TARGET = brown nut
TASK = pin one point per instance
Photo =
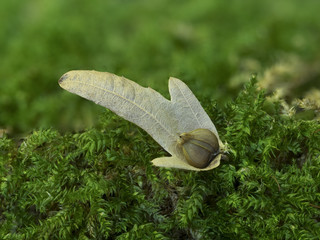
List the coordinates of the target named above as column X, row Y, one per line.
column 199, row 147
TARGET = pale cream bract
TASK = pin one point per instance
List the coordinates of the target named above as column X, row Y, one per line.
column 164, row 120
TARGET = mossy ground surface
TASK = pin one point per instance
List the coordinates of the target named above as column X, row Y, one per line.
column 70, row 169
column 100, row 184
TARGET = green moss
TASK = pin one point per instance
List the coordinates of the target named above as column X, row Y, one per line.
column 100, row 184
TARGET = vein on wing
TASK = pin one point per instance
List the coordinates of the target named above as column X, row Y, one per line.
column 132, row 102
column 189, row 105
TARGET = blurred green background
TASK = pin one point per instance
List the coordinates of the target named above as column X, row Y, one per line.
column 213, row 46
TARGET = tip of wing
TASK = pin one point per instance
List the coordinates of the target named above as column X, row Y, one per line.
column 64, row 77
column 174, row 80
